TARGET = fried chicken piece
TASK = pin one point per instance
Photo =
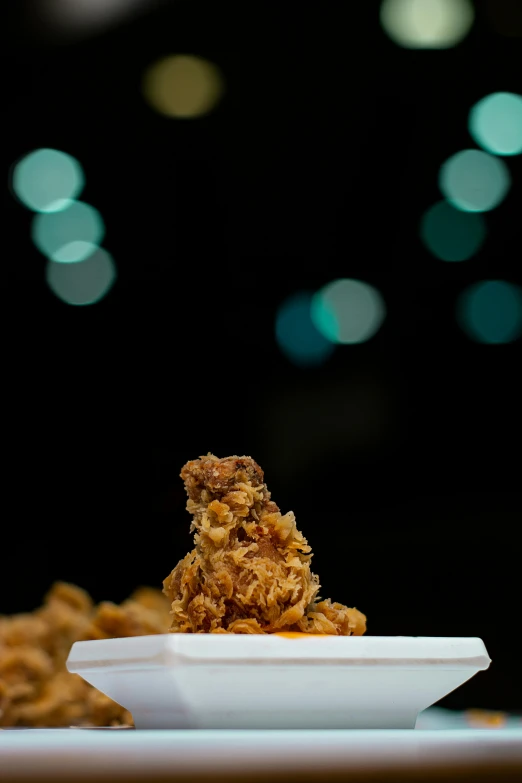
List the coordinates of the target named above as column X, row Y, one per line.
column 132, row 618
column 153, row 599
column 22, row 629
column 67, row 612
column 59, row 702
column 4, row 697
column 250, row 569
column 36, row 689
column 23, row 670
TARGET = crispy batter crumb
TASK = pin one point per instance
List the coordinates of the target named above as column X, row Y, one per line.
column 250, row 569
column 36, row 690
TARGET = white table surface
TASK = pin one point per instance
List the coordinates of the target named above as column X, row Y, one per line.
column 123, row 754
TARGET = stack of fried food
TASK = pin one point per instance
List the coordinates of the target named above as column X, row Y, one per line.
column 36, row 689
column 250, row 569
column 249, row 572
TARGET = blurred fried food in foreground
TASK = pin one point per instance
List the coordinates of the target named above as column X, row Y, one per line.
column 36, row 690
column 250, row 569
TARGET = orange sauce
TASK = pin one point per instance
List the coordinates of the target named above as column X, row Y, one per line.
column 485, row 719
column 298, row 635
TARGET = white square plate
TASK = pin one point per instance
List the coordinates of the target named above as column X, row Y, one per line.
column 222, row 681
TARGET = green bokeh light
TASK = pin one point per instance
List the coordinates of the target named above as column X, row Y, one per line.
column 450, row 234
column 296, row 334
column 495, row 123
column 474, row 181
column 348, row 311
column 426, row 24
column 68, row 236
column 84, row 283
column 46, row 180
column 491, row 311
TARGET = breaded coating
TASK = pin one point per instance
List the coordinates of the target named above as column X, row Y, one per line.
column 131, row 618
column 250, row 569
column 36, row 690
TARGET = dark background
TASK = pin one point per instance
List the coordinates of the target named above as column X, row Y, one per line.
column 400, row 456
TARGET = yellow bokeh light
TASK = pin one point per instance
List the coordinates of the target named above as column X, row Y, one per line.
column 183, row 86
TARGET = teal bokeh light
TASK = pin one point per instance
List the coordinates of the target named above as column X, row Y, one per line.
column 84, row 283
column 348, row 311
column 495, row 123
column 474, row 181
column 46, row 180
column 450, row 234
column 68, row 236
column 491, row 311
column 296, row 334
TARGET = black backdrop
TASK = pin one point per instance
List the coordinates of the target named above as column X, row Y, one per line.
column 400, row 457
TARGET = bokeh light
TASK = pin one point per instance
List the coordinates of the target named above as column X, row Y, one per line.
column 495, row 123
column 427, row 24
column 296, row 334
column 183, row 86
column 87, row 16
column 84, row 283
column 348, row 311
column 491, row 311
column 46, row 180
column 68, row 236
column 474, row 181
column 450, row 234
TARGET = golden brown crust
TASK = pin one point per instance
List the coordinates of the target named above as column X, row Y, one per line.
column 36, row 690
column 250, row 569
column 218, row 476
